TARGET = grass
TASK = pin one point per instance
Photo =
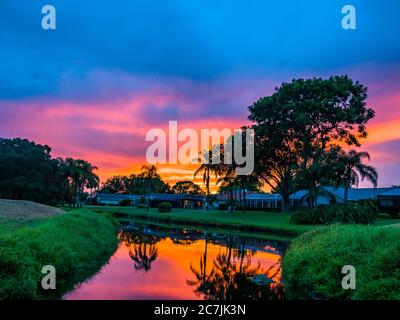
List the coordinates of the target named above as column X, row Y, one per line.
column 77, row 244
column 251, row 221
column 312, row 266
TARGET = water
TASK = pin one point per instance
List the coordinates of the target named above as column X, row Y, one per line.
column 154, row 262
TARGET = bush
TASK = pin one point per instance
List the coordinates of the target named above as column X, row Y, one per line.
column 352, row 212
column 222, row 206
column 125, row 203
column 164, row 207
column 306, row 216
column 312, row 266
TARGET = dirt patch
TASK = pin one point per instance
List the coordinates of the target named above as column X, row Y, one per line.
column 26, row 210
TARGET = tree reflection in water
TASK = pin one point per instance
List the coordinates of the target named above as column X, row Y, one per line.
column 142, row 248
column 230, row 276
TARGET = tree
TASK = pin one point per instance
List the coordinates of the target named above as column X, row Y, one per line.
column 149, row 173
column 186, row 187
column 351, row 168
column 210, row 166
column 82, row 176
column 301, row 117
column 27, row 172
column 319, row 169
column 115, row 185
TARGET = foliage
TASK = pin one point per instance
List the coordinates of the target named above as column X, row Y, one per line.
column 350, row 168
column 210, row 165
column 77, row 244
column 312, row 265
column 352, row 212
column 27, row 172
column 301, row 117
column 306, row 216
column 186, row 187
column 165, row 207
column 133, row 184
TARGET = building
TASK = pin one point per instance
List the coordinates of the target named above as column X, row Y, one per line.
column 328, row 195
column 389, row 201
column 254, row 200
column 177, row 200
column 181, row 200
column 115, row 199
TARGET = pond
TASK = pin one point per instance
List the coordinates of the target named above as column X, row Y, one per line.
column 154, row 262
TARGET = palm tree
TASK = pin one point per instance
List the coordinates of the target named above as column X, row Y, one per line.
column 149, row 173
column 351, row 168
column 63, row 175
column 142, row 257
column 207, row 168
column 81, row 174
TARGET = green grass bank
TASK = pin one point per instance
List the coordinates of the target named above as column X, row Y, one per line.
column 276, row 223
column 77, row 244
column 312, row 266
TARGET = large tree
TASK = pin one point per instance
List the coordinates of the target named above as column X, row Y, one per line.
column 186, row 187
column 300, row 117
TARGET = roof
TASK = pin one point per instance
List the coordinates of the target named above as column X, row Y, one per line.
column 251, row 195
column 115, row 197
column 175, row 197
column 263, row 196
column 392, row 192
column 153, row 196
column 354, row 194
column 298, row 195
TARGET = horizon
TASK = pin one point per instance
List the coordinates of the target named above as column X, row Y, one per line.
column 93, row 94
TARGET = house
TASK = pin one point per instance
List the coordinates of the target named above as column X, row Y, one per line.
column 254, row 200
column 328, row 195
column 181, row 200
column 115, row 199
column 389, row 201
column 177, row 200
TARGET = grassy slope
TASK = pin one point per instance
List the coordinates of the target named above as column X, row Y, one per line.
column 273, row 222
column 312, row 265
column 77, row 244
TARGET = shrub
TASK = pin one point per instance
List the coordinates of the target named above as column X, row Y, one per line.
column 312, row 266
column 351, row 212
column 222, row 206
column 306, row 216
column 125, row 203
column 164, row 207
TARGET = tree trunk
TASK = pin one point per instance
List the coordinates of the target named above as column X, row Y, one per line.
column 244, row 198
column 148, row 195
column 346, row 193
column 285, row 203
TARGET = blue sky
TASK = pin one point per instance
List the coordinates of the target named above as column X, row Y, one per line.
column 193, row 61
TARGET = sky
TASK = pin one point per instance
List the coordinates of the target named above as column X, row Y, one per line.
column 112, row 70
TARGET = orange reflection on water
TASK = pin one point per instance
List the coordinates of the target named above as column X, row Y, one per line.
column 165, row 268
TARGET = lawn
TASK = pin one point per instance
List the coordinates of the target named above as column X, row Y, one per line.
column 255, row 221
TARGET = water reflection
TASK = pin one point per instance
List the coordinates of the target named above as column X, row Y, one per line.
column 155, row 262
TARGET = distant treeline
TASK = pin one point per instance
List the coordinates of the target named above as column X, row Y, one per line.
column 28, row 172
